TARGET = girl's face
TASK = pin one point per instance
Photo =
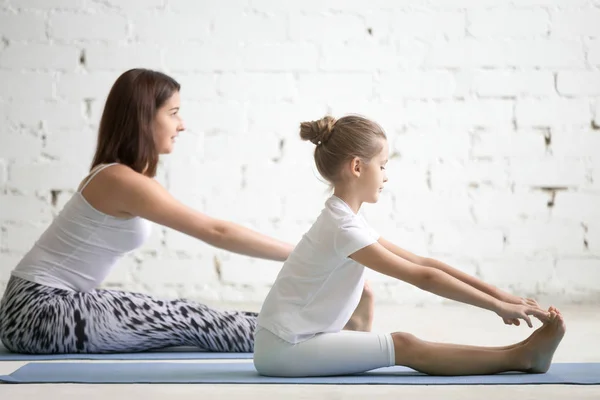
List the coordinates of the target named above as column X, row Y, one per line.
column 373, row 176
column 167, row 124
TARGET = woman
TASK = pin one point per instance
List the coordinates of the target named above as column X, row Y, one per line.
column 52, row 304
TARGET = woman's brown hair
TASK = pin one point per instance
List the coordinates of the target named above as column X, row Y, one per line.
column 126, row 132
column 341, row 140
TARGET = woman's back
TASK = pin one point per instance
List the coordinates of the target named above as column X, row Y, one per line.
column 81, row 245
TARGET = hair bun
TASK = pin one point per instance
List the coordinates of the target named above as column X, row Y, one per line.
column 317, row 131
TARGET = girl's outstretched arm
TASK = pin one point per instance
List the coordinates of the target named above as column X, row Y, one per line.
column 378, row 258
column 460, row 275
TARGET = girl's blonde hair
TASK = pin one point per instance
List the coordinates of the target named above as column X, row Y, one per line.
column 341, row 140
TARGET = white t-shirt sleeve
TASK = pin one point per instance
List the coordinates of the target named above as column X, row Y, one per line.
column 353, row 236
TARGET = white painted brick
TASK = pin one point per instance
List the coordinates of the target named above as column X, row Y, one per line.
column 547, row 172
column 122, row 58
column 206, row 7
column 428, row 24
column 280, row 57
column 578, row 83
column 481, row 113
column 359, row 57
column 165, row 271
column 241, row 270
column 471, row 241
column 508, row 22
column 430, row 144
column 237, row 27
column 497, row 53
column 597, row 114
column 533, row 238
column 8, row 262
column 76, row 87
column 593, row 237
column 420, row 85
column 71, row 26
column 505, row 143
column 24, row 26
column 3, row 175
column 209, row 57
column 40, row 56
column 431, row 208
column 215, row 117
column 593, row 55
column 237, row 147
column 280, row 178
column 516, row 273
column 25, row 85
column 288, row 118
column 20, row 239
column 246, row 206
column 561, row 3
column 412, row 175
column 330, row 28
column 190, row 182
column 131, row 5
column 54, row 115
column 23, row 208
column 578, row 274
column 503, row 208
column 266, row 87
column 513, row 83
column 412, row 53
column 449, row 174
column 552, row 112
column 582, row 22
column 388, row 114
column 575, row 143
column 173, row 27
column 577, row 207
column 326, row 86
column 305, row 203
column 71, row 146
column 196, row 87
column 46, row 176
column 48, row 4
column 20, row 146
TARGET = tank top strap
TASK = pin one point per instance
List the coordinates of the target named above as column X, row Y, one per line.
column 93, row 173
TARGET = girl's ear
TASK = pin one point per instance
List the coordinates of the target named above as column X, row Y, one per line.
column 356, row 166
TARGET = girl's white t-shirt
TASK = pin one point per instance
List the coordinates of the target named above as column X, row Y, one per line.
column 319, row 286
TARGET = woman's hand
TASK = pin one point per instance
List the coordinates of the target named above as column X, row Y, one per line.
column 512, row 313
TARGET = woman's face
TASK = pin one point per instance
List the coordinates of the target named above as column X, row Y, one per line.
column 167, row 124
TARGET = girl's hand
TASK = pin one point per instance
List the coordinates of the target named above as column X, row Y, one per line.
column 512, row 313
column 509, row 298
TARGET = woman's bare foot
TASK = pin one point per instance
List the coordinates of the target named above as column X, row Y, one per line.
column 538, row 352
column 362, row 318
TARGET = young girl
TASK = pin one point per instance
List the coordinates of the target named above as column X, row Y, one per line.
column 299, row 329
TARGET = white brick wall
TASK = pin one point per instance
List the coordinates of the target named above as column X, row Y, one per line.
column 492, row 109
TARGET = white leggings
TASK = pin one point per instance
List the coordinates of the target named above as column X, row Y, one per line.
column 340, row 353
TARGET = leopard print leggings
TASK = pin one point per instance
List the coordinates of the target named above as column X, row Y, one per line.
column 38, row 319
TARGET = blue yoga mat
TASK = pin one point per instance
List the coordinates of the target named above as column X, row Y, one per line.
column 244, row 372
column 173, row 353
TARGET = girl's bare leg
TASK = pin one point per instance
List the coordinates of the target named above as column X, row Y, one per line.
column 447, row 359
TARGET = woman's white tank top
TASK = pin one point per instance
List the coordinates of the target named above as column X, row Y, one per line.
column 81, row 245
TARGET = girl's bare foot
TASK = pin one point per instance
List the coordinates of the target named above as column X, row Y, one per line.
column 538, row 352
